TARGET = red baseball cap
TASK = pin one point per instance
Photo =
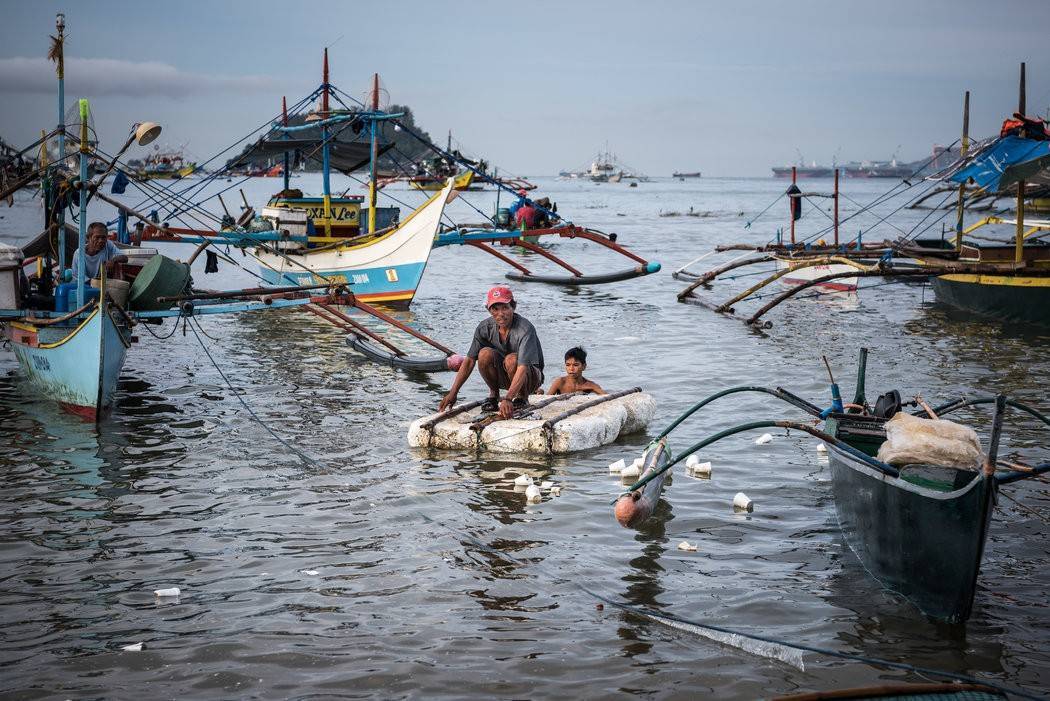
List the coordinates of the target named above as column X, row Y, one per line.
column 497, row 295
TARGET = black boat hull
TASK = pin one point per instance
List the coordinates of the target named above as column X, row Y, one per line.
column 997, row 297
column 924, row 543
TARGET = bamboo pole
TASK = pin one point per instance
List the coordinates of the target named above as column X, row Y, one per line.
column 1019, row 230
column 965, row 148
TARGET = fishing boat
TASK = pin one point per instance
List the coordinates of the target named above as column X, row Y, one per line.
column 460, row 181
column 683, row 176
column 167, row 164
column 71, row 339
column 918, row 527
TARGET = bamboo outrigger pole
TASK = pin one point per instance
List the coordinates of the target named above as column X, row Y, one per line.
column 1019, row 230
column 284, row 121
column 964, row 149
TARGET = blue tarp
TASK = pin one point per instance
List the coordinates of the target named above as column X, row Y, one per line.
column 1006, row 161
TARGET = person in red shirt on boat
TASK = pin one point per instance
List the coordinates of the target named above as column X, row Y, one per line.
column 507, row 351
column 527, row 215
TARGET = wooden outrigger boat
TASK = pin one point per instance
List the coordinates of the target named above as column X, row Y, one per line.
column 1009, row 282
column 919, row 529
column 75, row 357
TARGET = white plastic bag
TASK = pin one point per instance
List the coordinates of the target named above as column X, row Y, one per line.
column 911, row 440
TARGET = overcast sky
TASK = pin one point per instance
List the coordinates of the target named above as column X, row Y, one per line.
column 729, row 88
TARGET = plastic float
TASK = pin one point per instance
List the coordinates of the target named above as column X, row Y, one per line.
column 562, row 423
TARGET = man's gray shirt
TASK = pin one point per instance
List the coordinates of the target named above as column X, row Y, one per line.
column 521, row 339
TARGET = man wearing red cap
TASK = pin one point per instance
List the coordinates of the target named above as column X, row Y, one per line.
column 507, row 352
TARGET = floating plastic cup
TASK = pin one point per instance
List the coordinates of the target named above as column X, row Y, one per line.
column 741, row 502
column 617, row 466
column 166, row 593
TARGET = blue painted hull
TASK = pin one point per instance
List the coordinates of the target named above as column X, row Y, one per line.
column 78, row 366
column 377, row 284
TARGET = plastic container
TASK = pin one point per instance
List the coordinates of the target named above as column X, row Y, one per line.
column 10, row 267
column 116, row 290
column 160, row 277
column 66, row 296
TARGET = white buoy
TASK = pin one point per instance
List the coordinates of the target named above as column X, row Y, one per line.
column 701, row 469
column 687, row 546
column 821, row 448
column 522, row 481
column 617, row 466
column 763, row 439
column 630, row 471
column 165, row 593
column 546, row 484
column 741, row 502
column 532, row 494
column 134, row 647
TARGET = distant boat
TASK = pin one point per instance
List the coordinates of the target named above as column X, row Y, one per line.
column 686, row 175
column 169, row 164
column 803, row 171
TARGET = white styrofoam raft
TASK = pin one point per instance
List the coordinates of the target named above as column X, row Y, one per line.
column 598, row 425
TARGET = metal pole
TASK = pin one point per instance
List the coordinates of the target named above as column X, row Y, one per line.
column 60, row 24
column 81, row 245
column 1019, row 230
column 324, row 152
column 372, row 158
column 284, row 121
column 792, row 205
column 965, row 148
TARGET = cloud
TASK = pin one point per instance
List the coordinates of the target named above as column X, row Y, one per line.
column 99, row 77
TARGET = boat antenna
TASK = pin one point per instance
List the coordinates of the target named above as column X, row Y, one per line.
column 828, row 366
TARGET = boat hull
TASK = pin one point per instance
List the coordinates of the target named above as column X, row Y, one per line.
column 387, row 269
column 803, row 275
column 77, row 367
column 922, row 542
column 1006, row 298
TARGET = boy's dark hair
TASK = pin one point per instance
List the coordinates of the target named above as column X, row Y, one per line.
column 578, row 353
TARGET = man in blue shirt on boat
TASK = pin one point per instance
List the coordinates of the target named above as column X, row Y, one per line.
column 99, row 250
column 508, row 354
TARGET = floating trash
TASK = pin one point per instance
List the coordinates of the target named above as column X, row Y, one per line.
column 522, row 481
column 701, row 469
column 617, row 466
column 546, row 484
column 763, row 439
column 631, row 471
column 134, row 647
column 532, row 494
column 821, row 448
column 310, row 573
column 555, row 491
column 741, row 502
column 687, row 546
column 166, row 593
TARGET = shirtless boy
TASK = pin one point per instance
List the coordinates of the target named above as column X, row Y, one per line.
column 573, row 380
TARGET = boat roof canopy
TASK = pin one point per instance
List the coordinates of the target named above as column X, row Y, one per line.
column 1004, row 162
column 346, row 156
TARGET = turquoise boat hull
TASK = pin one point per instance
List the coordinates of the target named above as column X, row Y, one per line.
column 76, row 365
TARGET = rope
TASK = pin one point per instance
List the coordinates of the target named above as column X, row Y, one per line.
column 874, row 661
column 194, row 325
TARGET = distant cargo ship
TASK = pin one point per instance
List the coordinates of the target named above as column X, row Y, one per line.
column 686, row 175
column 803, row 171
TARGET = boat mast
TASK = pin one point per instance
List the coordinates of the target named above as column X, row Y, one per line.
column 58, row 47
column 284, row 121
column 81, row 245
column 963, row 150
column 792, row 209
column 836, row 206
column 372, row 157
column 1019, row 231
column 324, row 150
